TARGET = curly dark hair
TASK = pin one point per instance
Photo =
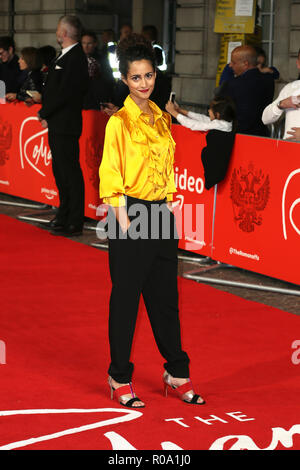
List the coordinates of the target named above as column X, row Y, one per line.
column 132, row 48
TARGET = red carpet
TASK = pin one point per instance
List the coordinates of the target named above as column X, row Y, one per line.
column 54, row 395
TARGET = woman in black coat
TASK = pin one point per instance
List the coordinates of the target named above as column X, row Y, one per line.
column 33, row 81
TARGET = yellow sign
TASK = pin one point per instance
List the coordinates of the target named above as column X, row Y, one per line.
column 235, row 16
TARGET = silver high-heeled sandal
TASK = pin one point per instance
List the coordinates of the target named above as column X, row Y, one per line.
column 184, row 391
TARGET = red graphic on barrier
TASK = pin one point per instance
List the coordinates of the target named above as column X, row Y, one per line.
column 5, row 140
column 250, row 192
column 34, row 148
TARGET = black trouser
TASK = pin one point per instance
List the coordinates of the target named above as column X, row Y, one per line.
column 148, row 267
column 68, row 178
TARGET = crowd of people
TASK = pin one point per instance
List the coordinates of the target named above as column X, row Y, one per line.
column 247, row 80
column 25, row 75
column 246, row 87
column 243, row 102
column 250, row 84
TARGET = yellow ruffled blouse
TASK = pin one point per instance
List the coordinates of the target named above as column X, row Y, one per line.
column 137, row 157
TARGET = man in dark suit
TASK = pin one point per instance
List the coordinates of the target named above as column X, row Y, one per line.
column 250, row 89
column 61, row 111
column 10, row 71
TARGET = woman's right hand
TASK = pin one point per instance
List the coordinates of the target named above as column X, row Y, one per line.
column 122, row 217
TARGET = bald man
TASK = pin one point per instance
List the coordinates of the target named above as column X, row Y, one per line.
column 250, row 89
column 61, row 111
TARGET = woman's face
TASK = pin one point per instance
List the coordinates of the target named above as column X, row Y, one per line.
column 22, row 63
column 140, row 80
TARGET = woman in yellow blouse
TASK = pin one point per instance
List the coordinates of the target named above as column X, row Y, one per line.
column 137, row 179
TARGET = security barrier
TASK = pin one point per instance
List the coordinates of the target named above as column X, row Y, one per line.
column 25, row 157
column 251, row 220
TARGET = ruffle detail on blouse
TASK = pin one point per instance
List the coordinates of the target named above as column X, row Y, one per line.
column 161, row 166
column 159, row 172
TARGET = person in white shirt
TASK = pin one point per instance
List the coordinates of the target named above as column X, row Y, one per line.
column 288, row 102
column 199, row 122
column 220, row 126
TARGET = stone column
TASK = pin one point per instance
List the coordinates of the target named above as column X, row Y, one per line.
column 137, row 15
column 197, row 49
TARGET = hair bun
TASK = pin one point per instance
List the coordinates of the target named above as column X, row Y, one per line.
column 134, row 47
column 132, row 41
